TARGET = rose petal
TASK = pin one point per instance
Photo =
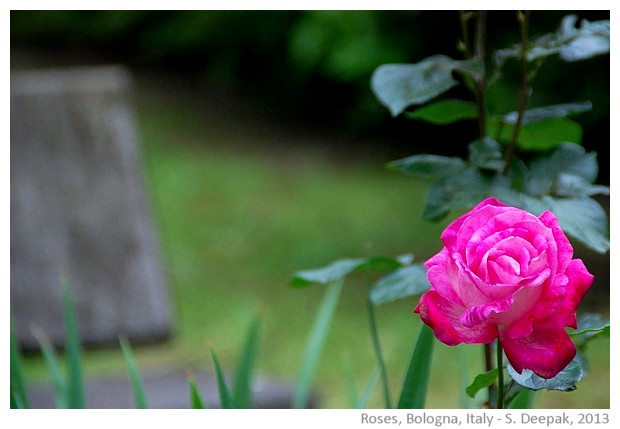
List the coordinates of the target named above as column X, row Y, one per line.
column 517, row 321
column 472, row 289
column 536, row 264
column 453, row 231
column 562, row 297
column 518, row 328
column 579, row 281
column 474, row 316
column 477, row 252
column 443, row 317
column 544, row 351
column 483, row 291
column 480, row 225
column 564, row 248
column 442, row 276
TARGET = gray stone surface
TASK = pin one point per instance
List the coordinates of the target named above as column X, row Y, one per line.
column 79, row 210
column 167, row 391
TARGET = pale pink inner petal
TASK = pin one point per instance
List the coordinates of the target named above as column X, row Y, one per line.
column 537, row 264
column 476, row 250
column 525, row 299
column 502, row 274
column 470, row 287
column 474, row 316
column 509, row 264
column 479, row 224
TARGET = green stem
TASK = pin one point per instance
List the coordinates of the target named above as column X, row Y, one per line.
column 377, row 346
column 500, row 376
column 488, row 364
column 479, row 54
column 522, row 19
column 465, row 34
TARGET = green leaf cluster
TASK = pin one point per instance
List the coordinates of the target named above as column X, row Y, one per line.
column 570, row 42
column 560, row 180
column 530, row 159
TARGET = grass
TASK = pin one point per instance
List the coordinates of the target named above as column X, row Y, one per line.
column 239, row 208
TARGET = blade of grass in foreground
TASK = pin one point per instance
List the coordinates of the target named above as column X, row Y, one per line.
column 370, row 387
column 136, row 382
column 464, row 399
column 19, row 396
column 226, row 401
column 196, row 401
column 75, row 381
column 378, row 353
column 53, row 366
column 349, row 381
column 413, row 394
column 16, row 402
column 360, row 401
column 242, row 387
column 314, row 346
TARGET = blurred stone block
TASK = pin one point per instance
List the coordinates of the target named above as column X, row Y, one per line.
column 79, row 210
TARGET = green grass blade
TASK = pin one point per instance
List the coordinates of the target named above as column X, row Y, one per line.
column 195, row 398
column 242, row 387
column 226, row 401
column 316, row 341
column 349, row 382
column 75, row 380
column 370, row 387
column 413, row 393
column 16, row 402
column 464, row 399
column 136, row 381
column 59, row 384
column 379, row 354
column 19, row 395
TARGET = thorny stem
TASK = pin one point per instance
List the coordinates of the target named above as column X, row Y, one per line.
column 522, row 19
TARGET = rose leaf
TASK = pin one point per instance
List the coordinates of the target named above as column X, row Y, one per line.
column 482, row 381
column 565, row 381
column 402, row 283
column 399, row 86
column 337, row 270
column 429, row 167
column 445, row 112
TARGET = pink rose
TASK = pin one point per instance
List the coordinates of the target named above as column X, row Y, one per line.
column 505, row 273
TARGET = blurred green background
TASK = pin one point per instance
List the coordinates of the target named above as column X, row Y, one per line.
column 264, row 153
